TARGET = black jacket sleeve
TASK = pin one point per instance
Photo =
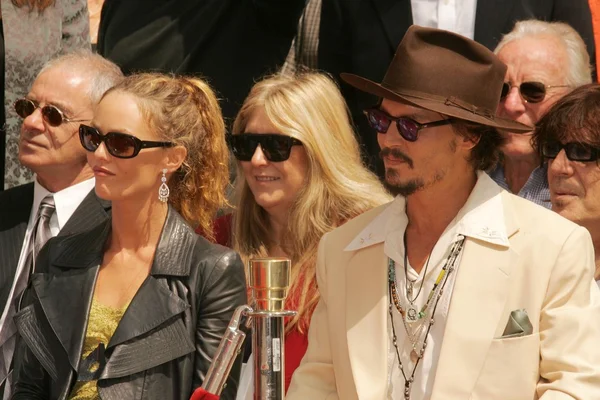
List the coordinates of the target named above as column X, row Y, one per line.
column 224, row 290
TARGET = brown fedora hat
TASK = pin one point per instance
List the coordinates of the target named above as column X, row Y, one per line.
column 444, row 72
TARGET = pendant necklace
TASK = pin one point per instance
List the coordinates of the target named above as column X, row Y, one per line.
column 424, row 321
column 412, row 312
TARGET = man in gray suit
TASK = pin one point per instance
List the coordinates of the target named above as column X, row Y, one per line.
column 61, row 200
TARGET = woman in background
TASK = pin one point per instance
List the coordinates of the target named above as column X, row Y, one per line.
column 136, row 307
column 300, row 175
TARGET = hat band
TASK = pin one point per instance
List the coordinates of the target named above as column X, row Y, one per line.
column 452, row 101
column 456, row 102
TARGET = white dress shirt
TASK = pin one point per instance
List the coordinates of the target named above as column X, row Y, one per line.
column 66, row 202
column 451, row 15
column 481, row 220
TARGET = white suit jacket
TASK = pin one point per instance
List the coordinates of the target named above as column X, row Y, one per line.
column 547, row 269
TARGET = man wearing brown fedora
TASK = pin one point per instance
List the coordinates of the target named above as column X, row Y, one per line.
column 455, row 290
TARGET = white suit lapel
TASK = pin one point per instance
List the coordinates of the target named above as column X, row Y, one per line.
column 366, row 322
column 478, row 300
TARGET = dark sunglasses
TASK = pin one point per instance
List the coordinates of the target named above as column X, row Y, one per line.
column 51, row 114
column 274, row 146
column 531, row 92
column 120, row 145
column 408, row 128
column 574, row 151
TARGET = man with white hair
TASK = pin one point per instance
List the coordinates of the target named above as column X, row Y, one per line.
column 62, row 197
column 545, row 60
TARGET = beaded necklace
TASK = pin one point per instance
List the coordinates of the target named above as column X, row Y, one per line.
column 419, row 332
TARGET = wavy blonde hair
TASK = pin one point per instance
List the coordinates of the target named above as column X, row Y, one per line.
column 185, row 111
column 309, row 107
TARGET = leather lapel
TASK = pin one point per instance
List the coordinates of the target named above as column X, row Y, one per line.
column 65, row 300
column 152, row 315
column 154, row 320
column 176, row 244
column 153, row 305
column 91, row 212
column 79, row 250
column 66, row 295
column 34, row 331
column 396, row 17
column 478, row 300
column 366, row 291
column 37, row 334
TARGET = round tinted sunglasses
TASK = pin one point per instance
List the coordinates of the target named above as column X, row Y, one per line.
column 574, row 151
column 120, row 145
column 51, row 114
column 274, row 146
column 408, row 128
column 531, row 92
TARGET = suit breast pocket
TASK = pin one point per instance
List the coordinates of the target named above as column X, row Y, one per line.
column 510, row 370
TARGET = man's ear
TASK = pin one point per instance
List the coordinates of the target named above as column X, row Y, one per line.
column 175, row 157
column 470, row 140
column 466, row 139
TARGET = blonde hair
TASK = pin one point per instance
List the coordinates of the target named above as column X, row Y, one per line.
column 578, row 59
column 185, row 111
column 310, row 108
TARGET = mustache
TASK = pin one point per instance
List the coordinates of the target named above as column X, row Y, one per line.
column 396, row 153
column 27, row 133
column 564, row 189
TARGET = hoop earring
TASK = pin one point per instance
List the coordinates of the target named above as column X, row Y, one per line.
column 163, row 191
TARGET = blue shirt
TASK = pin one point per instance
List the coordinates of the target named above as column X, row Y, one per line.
column 535, row 189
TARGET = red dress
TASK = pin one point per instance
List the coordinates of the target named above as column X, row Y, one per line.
column 222, row 230
column 295, row 342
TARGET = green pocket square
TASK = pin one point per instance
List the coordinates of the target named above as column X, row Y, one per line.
column 518, row 324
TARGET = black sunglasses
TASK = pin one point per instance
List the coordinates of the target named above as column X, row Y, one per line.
column 574, row 151
column 408, row 128
column 274, row 146
column 51, row 114
column 531, row 92
column 120, row 145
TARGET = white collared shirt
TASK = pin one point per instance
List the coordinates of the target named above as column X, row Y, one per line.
column 452, row 15
column 66, row 202
column 480, row 218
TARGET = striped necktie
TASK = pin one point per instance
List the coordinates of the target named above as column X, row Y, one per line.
column 40, row 235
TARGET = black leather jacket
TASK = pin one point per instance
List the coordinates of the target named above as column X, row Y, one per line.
column 164, row 343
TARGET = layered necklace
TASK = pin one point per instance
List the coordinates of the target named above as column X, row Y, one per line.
column 417, row 323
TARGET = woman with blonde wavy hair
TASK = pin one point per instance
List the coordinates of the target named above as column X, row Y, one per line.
column 300, row 175
column 136, row 307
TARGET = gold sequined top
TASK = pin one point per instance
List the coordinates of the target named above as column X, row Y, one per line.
column 102, row 324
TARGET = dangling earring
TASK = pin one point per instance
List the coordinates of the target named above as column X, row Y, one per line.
column 163, row 191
